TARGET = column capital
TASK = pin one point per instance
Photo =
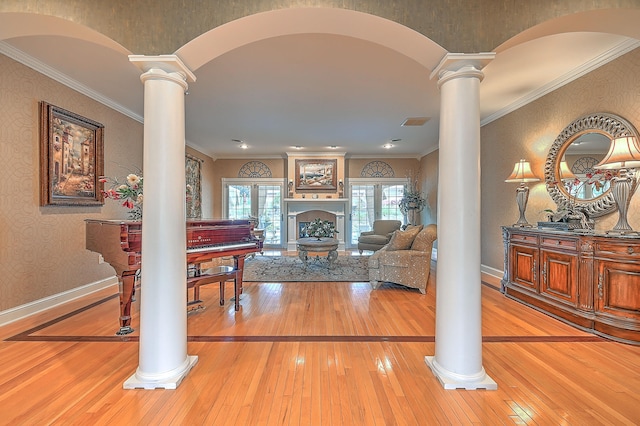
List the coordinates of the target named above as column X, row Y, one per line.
column 171, row 67
column 462, row 64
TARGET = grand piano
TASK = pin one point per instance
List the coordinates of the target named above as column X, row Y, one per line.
column 120, row 244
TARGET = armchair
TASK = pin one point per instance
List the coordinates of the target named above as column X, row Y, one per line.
column 379, row 236
column 405, row 260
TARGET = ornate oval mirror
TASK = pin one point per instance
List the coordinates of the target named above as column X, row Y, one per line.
column 581, row 145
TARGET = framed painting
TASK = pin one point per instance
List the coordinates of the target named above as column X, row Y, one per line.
column 316, row 175
column 71, row 158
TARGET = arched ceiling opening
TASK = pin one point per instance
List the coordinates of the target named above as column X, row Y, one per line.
column 317, row 77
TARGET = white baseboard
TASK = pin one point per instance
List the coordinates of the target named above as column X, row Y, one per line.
column 23, row 311
column 494, row 275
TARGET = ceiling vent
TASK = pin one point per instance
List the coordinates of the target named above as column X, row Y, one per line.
column 415, row 121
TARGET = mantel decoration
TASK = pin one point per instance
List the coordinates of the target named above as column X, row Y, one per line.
column 316, row 175
column 129, row 192
column 412, row 201
column 320, row 228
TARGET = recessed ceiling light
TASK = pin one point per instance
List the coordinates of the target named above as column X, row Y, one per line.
column 333, row 147
column 244, row 145
column 297, row 147
column 387, row 145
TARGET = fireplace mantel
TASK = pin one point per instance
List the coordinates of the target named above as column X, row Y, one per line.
column 295, row 206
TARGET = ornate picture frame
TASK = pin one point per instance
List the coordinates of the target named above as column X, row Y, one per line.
column 316, row 175
column 71, row 158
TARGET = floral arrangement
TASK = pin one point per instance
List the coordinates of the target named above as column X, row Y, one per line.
column 572, row 210
column 129, row 192
column 412, row 200
column 319, row 228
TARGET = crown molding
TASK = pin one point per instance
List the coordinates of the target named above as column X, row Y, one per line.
column 606, row 57
column 42, row 68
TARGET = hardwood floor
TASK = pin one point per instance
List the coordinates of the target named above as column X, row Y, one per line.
column 314, row 353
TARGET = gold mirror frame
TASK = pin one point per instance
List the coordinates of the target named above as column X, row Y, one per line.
column 609, row 125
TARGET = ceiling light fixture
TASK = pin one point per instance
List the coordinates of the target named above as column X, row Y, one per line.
column 333, row 147
column 297, row 147
column 244, row 145
column 387, row 145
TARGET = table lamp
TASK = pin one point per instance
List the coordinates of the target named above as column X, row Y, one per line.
column 624, row 156
column 522, row 173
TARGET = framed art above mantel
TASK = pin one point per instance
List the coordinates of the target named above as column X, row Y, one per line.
column 316, row 175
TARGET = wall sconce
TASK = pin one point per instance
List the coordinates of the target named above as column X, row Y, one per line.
column 624, row 156
column 522, row 173
column 340, row 189
column 290, row 188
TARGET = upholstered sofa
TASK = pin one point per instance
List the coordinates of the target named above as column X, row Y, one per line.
column 406, row 259
column 379, row 236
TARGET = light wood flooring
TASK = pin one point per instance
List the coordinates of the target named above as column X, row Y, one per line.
column 314, row 354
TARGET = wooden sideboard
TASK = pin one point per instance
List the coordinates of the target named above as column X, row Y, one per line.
column 591, row 281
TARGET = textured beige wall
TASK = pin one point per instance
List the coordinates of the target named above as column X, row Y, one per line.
column 456, row 25
column 42, row 249
column 529, row 132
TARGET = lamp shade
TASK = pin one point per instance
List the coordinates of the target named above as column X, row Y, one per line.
column 623, row 153
column 522, row 173
column 565, row 172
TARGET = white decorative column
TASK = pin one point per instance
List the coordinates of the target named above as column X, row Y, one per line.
column 458, row 342
column 163, row 359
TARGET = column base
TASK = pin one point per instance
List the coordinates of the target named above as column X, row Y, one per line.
column 171, row 382
column 451, row 382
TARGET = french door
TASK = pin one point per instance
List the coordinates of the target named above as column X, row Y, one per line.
column 259, row 198
column 373, row 199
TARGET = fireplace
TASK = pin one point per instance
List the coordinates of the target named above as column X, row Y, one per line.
column 306, row 209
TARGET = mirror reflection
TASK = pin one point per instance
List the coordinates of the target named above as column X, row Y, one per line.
column 578, row 173
column 581, row 145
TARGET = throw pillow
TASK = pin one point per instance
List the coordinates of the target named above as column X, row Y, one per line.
column 424, row 240
column 402, row 240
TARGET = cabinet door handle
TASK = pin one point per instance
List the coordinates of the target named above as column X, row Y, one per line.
column 600, row 285
column 544, row 273
column 534, row 270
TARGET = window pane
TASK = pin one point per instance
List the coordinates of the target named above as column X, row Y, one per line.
column 391, row 196
column 269, row 214
column 362, row 210
column 239, row 200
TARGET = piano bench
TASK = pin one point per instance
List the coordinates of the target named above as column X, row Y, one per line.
column 220, row 274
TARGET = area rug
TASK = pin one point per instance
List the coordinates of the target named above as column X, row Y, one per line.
column 291, row 268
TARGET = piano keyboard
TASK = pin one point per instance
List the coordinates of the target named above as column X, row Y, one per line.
column 221, row 247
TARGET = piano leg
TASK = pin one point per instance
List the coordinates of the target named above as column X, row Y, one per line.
column 238, row 262
column 127, row 290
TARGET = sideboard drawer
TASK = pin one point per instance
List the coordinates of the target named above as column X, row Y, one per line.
column 629, row 251
column 558, row 243
column 524, row 238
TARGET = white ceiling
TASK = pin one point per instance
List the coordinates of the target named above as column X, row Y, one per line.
column 317, row 90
